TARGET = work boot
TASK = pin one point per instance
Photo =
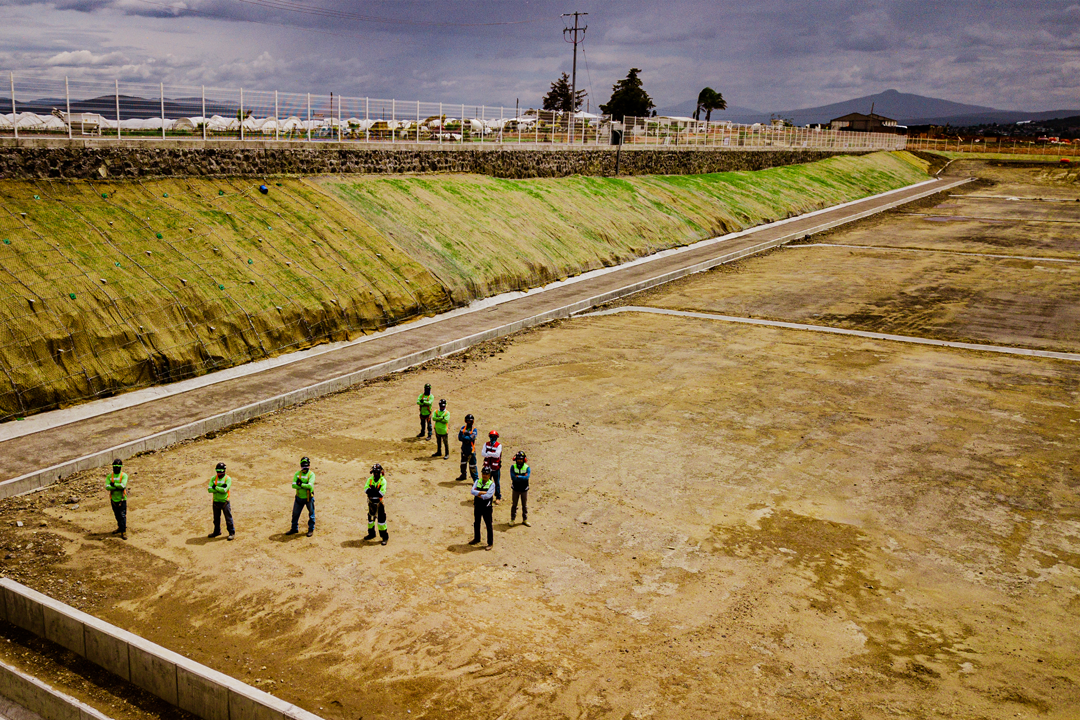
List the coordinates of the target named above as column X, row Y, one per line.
column 116, row 531
column 123, row 536
column 475, row 542
column 525, row 522
column 370, row 535
column 511, row 522
column 436, row 453
column 488, row 547
column 232, row 536
column 292, row 532
column 421, row 434
column 445, row 457
column 216, row 533
column 386, row 538
column 459, row 478
column 310, row 533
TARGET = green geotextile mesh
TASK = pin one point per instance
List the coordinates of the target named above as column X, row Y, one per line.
column 482, row 235
column 106, row 287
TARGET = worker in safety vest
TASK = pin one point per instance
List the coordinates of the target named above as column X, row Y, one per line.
column 375, row 489
column 117, row 487
column 425, row 401
column 304, row 484
column 483, row 492
column 441, row 419
column 467, row 437
column 492, row 453
column 519, row 484
column 219, row 486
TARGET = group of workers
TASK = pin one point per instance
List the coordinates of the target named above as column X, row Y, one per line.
column 486, row 489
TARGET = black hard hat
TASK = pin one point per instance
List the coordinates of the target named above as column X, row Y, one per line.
column 376, row 468
column 519, row 455
column 469, row 418
column 486, row 470
column 427, row 387
column 442, row 403
column 221, row 467
column 117, row 463
column 304, row 462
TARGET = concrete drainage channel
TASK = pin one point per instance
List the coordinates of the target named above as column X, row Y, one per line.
column 177, row 680
column 46, row 476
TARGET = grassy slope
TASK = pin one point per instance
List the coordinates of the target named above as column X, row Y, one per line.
column 482, row 235
column 238, row 275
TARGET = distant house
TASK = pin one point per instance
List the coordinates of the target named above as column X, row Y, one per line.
column 858, row 122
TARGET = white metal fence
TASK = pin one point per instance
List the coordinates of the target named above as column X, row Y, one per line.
column 50, row 107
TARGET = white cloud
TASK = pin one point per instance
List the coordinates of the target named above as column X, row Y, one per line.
column 86, row 58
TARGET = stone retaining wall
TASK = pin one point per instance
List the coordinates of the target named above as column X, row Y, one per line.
column 39, row 159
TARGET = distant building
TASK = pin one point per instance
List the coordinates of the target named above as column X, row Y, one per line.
column 873, row 122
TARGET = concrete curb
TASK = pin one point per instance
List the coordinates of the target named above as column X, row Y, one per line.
column 40, row 698
column 40, row 478
column 174, row 678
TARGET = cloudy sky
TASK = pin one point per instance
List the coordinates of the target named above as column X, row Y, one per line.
column 782, row 54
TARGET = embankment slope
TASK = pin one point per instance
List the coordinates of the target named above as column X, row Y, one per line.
column 110, row 286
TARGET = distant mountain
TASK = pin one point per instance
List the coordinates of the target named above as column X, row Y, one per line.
column 903, row 107
column 130, row 107
column 997, row 117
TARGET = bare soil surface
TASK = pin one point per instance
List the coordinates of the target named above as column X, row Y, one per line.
column 727, row 521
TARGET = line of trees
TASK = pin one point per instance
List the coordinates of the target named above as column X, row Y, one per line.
column 628, row 98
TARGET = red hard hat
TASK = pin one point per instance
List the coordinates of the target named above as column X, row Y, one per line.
column 493, row 433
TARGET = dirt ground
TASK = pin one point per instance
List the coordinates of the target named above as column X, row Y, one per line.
column 727, row 521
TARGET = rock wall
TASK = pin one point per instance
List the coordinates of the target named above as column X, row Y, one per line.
column 34, row 160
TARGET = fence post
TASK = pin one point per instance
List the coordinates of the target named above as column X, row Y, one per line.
column 462, row 122
column 536, row 129
column 393, row 120
column 277, row 118
column 339, row 118
column 117, row 87
column 442, row 123
column 502, row 123
column 483, row 125
column 367, row 119
column 309, row 117
column 161, row 90
column 418, row 121
column 241, row 116
column 67, row 97
column 14, row 117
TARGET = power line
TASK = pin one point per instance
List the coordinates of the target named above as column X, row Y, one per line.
column 575, row 39
column 296, row 7
column 587, row 73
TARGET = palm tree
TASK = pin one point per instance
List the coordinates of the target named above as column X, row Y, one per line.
column 709, row 100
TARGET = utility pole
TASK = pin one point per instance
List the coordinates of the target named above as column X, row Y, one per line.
column 571, row 35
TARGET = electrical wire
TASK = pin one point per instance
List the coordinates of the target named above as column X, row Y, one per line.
column 587, row 73
column 326, row 12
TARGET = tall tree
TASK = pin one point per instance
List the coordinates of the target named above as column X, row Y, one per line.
column 628, row 97
column 559, row 96
column 707, row 101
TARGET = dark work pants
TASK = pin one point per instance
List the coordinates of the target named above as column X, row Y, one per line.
column 377, row 511
column 119, row 511
column 495, row 475
column 441, row 442
column 219, row 508
column 482, row 511
column 524, row 496
column 425, row 424
column 297, row 506
column 468, row 459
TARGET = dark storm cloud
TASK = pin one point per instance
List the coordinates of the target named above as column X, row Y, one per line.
column 775, row 55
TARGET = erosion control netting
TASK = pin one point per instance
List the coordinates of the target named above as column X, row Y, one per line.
column 484, row 235
column 106, row 287
column 113, row 286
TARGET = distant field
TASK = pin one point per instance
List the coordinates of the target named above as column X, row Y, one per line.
column 110, row 286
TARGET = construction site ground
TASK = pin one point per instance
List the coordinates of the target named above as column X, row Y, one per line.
column 727, row 520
